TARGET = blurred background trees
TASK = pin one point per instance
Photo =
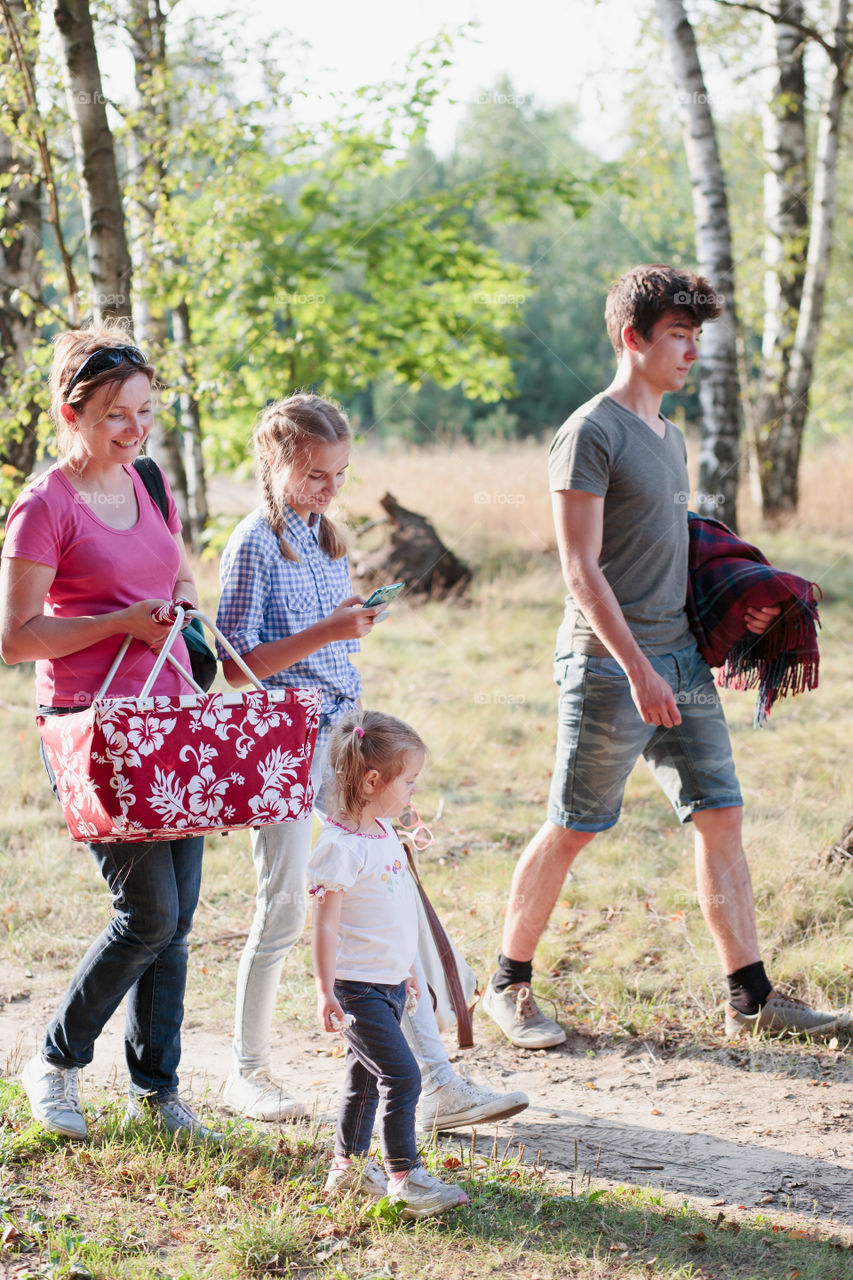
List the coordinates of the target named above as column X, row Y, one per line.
column 439, row 296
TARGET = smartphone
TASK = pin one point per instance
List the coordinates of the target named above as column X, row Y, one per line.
column 383, row 594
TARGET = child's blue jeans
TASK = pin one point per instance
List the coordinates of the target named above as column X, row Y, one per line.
column 381, row 1071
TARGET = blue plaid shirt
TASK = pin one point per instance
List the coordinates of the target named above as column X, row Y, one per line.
column 265, row 597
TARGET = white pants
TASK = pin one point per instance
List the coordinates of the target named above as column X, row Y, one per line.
column 281, row 854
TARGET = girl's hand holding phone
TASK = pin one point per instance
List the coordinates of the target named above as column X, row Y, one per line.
column 351, row 621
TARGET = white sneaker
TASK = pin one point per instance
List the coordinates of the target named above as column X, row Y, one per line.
column 259, row 1096
column 461, row 1104
column 172, row 1114
column 424, row 1195
column 54, row 1098
column 363, row 1177
column 520, row 1018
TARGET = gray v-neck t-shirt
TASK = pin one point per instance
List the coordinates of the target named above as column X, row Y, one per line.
column 607, row 450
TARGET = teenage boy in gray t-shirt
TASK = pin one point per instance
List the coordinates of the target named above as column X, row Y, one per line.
column 631, row 679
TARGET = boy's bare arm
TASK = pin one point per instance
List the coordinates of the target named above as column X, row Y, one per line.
column 579, row 525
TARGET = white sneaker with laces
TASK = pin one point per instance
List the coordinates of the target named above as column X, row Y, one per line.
column 461, row 1104
column 54, row 1097
column 424, row 1194
column 364, row 1177
column 257, row 1095
column 172, row 1114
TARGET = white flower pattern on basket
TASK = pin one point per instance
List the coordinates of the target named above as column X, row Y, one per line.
column 152, row 768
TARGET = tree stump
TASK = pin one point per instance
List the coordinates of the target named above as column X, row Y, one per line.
column 415, row 555
column 842, row 852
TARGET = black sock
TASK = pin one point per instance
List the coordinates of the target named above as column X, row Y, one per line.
column 749, row 988
column 510, row 971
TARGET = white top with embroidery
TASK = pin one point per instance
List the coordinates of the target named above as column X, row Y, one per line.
column 379, row 923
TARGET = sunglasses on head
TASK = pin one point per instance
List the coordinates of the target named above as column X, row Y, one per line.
column 102, row 360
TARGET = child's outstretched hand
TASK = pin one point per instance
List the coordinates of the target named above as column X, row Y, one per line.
column 350, row 621
column 412, row 992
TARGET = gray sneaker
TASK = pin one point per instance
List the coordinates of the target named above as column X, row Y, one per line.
column 785, row 1013
column 520, row 1018
column 171, row 1114
column 53, row 1096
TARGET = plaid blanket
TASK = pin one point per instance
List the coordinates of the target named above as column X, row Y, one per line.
column 728, row 576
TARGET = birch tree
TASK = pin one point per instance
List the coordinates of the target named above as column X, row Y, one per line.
column 20, row 240
column 109, row 258
column 799, row 230
column 719, row 390
column 801, row 258
column 148, row 139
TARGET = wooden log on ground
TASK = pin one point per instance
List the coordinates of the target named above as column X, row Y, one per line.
column 415, row 555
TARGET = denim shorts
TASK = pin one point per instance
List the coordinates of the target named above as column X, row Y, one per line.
column 601, row 735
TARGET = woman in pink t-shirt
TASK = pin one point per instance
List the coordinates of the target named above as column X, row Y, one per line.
column 87, row 560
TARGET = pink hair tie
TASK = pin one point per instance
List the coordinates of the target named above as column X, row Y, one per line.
column 358, row 731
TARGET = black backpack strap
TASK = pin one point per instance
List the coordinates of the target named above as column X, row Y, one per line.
column 152, row 477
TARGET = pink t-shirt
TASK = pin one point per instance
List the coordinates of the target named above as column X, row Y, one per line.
column 98, row 570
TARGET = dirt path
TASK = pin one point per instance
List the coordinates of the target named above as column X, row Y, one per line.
column 716, row 1127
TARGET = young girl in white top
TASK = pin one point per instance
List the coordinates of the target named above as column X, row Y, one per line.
column 288, row 607
column 364, row 942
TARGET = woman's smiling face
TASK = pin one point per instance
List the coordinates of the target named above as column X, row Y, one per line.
column 111, row 428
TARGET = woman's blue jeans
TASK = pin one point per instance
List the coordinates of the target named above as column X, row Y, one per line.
column 381, row 1071
column 142, row 953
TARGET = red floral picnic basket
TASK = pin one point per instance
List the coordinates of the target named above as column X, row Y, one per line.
column 159, row 768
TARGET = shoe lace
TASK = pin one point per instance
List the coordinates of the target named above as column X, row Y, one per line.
column 71, row 1088
column 785, row 998
column 267, row 1081
column 525, row 1005
column 181, row 1112
column 63, row 1088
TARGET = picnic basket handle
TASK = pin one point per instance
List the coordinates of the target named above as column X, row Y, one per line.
column 180, row 613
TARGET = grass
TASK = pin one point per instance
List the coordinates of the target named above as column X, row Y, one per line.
column 626, row 954
column 139, row 1206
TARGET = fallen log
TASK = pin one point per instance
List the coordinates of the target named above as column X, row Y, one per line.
column 415, row 555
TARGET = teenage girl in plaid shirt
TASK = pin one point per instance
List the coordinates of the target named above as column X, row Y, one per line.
column 288, row 607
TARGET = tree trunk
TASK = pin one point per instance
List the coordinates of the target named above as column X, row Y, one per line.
column 20, row 274
column 109, row 258
column 146, row 25
column 719, row 390
column 174, row 446
column 785, row 251
column 823, row 210
column 191, row 428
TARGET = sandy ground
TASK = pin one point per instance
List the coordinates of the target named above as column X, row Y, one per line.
column 732, row 1126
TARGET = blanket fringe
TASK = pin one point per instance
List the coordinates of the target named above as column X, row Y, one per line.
column 790, row 669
